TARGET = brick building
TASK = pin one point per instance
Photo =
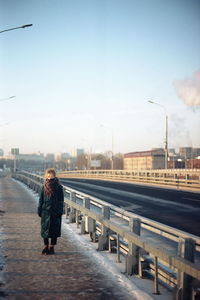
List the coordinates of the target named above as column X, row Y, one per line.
column 145, row 160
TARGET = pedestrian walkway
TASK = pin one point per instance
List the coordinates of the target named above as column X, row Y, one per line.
column 26, row 274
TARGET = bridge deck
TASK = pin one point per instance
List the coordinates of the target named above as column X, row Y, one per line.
column 26, row 274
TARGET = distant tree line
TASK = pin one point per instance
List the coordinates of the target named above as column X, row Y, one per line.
column 81, row 162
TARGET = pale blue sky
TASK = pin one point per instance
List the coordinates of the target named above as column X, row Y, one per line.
column 90, row 63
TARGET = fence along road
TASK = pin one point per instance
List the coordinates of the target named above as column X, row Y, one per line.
column 116, row 229
column 168, row 206
column 179, row 178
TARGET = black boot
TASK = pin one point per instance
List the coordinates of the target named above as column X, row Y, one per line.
column 51, row 250
column 45, row 251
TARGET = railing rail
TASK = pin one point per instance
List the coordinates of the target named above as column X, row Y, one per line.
column 180, row 178
column 154, row 226
column 176, row 266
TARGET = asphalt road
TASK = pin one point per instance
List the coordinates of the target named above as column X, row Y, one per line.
column 176, row 208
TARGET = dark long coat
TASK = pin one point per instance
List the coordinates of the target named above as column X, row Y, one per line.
column 50, row 209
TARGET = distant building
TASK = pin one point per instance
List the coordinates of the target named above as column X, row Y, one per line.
column 175, row 161
column 145, row 160
column 186, row 152
column 64, row 156
column 193, row 163
column 31, row 157
column 196, row 152
column 77, row 152
column 171, row 151
column 30, row 162
column 50, row 157
column 15, row 151
column 1, row 152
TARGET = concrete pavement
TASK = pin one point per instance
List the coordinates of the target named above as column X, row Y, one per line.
column 26, row 274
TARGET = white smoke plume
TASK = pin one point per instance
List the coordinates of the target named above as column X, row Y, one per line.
column 188, row 89
column 179, row 134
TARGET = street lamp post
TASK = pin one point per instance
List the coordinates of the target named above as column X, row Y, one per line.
column 19, row 27
column 166, row 131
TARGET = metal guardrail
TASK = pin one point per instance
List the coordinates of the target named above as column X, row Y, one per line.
column 180, row 178
column 119, row 230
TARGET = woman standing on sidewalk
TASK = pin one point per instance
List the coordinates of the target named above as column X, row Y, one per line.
column 50, row 209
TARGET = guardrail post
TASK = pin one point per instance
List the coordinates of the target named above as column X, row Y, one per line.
column 156, row 290
column 67, row 210
column 84, row 221
column 186, row 250
column 28, row 182
column 132, row 258
column 90, row 224
column 77, row 218
column 187, row 178
column 72, row 214
column 103, row 238
column 118, row 249
column 140, row 269
column 92, row 229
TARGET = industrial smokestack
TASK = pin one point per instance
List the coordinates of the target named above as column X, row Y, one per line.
column 188, row 89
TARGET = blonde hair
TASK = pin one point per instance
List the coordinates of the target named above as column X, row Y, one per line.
column 50, row 171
